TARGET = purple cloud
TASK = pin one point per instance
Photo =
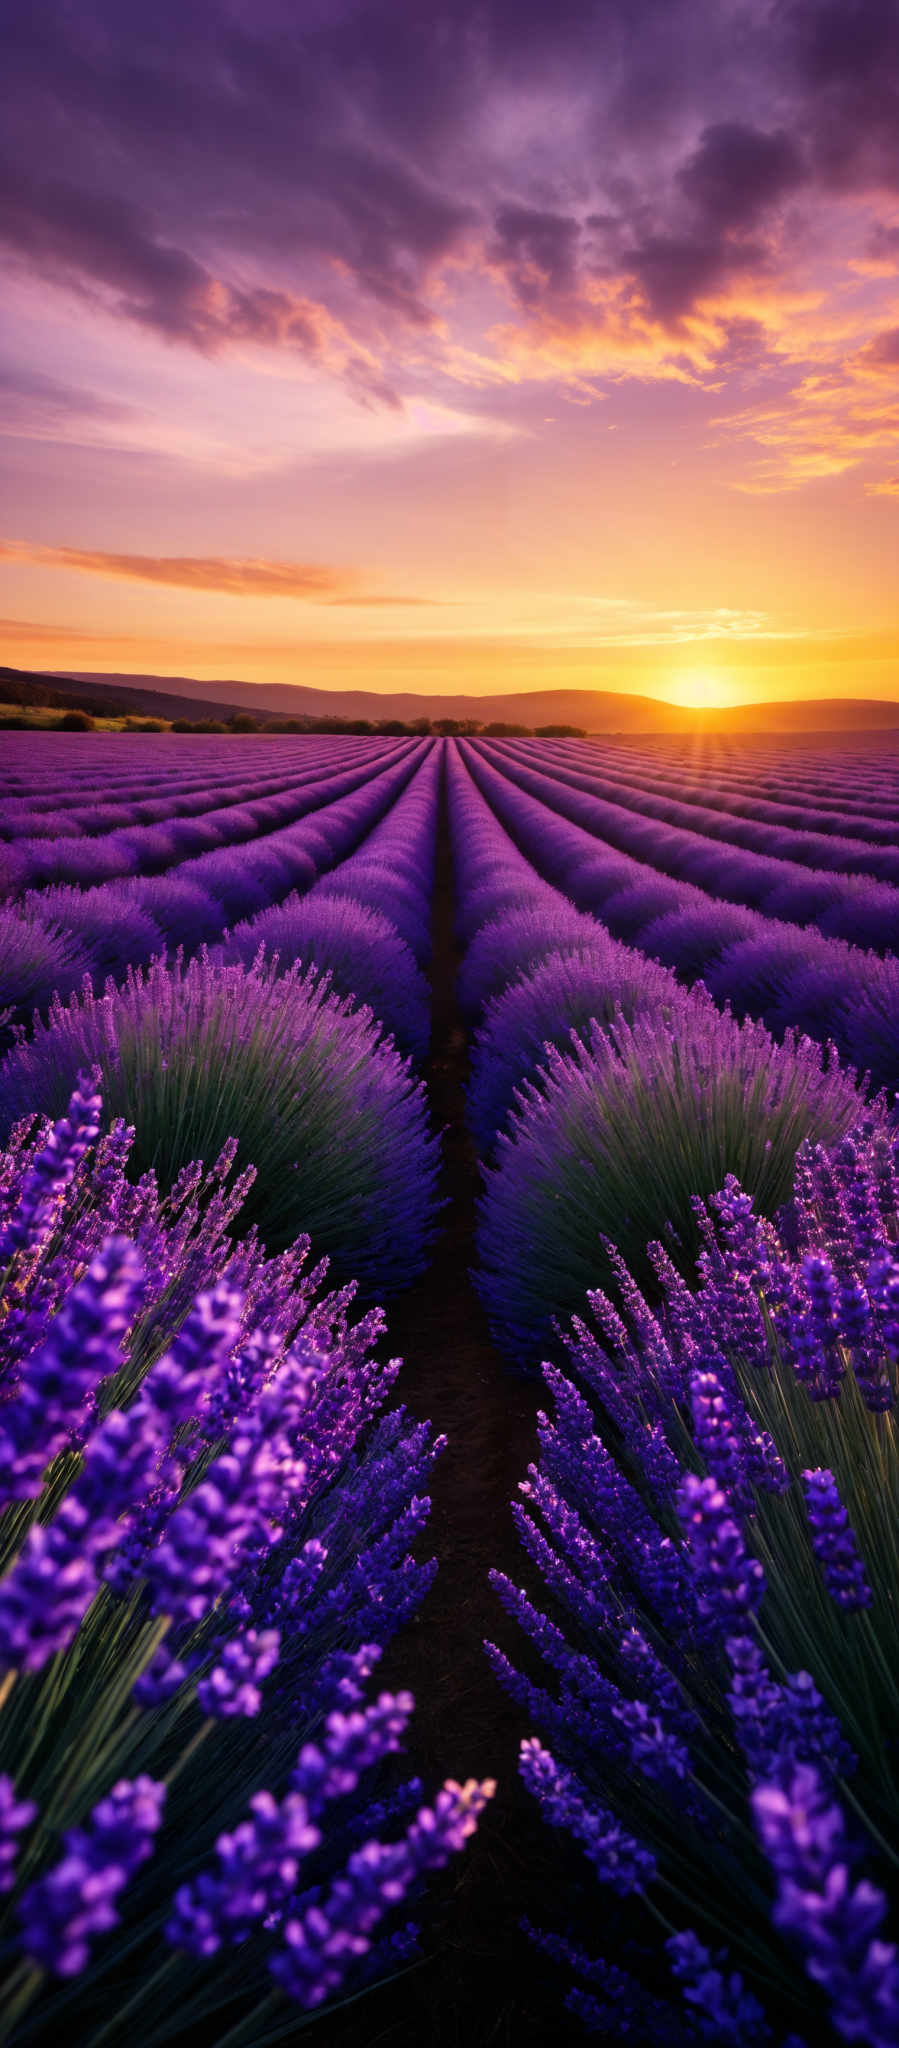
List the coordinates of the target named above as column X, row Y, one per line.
column 299, row 177
column 536, row 250
column 738, row 172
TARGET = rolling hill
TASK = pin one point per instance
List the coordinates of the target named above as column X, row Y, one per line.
column 599, row 711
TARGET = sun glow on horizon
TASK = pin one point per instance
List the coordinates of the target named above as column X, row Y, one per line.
column 701, row 690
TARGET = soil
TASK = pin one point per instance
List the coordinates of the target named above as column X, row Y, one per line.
column 481, row 1984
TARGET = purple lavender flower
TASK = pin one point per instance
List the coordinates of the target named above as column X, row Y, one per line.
column 782, row 1723
column 738, row 1456
column 731, row 1583
column 83, row 1345
column 258, row 1872
column 834, row 1921
column 15, row 1815
column 53, row 1169
column 833, row 1541
column 620, row 1861
column 232, row 1687
column 321, row 1942
column 729, row 2009
column 260, row 1863
column 77, row 1899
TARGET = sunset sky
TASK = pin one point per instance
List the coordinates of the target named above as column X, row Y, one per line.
column 503, row 344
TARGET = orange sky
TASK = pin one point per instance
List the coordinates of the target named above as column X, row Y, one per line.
column 577, row 364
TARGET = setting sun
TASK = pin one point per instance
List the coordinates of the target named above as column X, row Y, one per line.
column 701, row 691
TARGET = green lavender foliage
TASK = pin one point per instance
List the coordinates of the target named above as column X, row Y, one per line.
column 615, row 1139
column 325, row 1107
column 703, row 1652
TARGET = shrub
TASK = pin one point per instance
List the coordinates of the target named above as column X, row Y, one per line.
column 360, row 949
column 562, row 994
column 713, row 1512
column 382, row 887
column 113, row 928
column 326, row 1108
column 690, row 939
column 627, row 911
column 616, row 1138
column 511, row 943
column 208, row 1541
column 75, row 721
column 37, row 957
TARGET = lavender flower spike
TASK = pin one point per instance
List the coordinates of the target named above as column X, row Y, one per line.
column 619, row 1860
column 321, row 1942
column 732, row 1583
column 77, row 1898
column 833, row 1541
column 53, row 1168
column 15, row 1815
column 834, row 1922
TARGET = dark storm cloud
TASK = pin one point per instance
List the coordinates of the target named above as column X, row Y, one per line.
column 883, row 243
column 92, row 235
column 537, row 251
column 843, row 62
column 730, row 183
column 224, row 171
column 738, row 172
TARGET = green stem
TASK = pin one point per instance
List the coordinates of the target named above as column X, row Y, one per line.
column 247, row 2029
column 23, row 1986
column 148, row 1986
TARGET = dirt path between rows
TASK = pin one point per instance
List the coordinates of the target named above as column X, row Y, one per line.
column 481, row 1985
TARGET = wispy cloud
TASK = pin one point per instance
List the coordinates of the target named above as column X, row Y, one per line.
column 821, row 425
column 315, row 582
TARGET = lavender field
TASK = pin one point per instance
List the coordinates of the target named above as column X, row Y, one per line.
column 540, row 1684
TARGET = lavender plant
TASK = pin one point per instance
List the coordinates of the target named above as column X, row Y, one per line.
column 361, row 950
column 37, row 956
column 784, row 973
column 516, row 940
column 614, row 1139
column 112, row 924
column 207, row 1536
column 318, row 1100
column 713, row 1517
column 573, row 986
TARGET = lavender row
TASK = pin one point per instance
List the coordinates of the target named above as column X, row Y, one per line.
column 712, row 1517
column 212, row 1519
column 787, row 773
column 842, row 855
column 830, row 781
column 105, row 812
column 104, row 805
column 41, row 762
column 763, row 967
column 849, row 907
column 152, row 849
column 57, row 935
column 721, row 793
column 367, row 921
column 604, row 1096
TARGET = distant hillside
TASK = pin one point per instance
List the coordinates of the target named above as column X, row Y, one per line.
column 599, row 711
column 103, row 696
